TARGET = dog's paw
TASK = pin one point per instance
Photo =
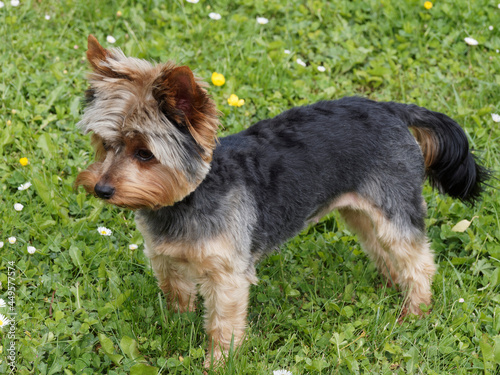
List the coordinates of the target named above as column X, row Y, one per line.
column 214, row 359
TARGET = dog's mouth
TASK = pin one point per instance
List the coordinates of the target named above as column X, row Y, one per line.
column 129, row 202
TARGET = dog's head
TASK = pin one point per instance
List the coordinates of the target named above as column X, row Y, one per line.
column 153, row 130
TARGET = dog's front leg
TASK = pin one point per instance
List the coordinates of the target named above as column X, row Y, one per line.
column 226, row 302
column 179, row 289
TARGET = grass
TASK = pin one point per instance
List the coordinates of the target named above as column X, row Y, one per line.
column 87, row 304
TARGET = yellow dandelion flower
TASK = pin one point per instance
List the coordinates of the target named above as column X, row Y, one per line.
column 23, row 161
column 234, row 101
column 427, row 5
column 218, row 79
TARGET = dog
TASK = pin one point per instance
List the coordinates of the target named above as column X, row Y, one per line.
column 210, row 208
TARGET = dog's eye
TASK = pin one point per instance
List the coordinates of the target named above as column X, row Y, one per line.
column 144, row 155
column 106, row 146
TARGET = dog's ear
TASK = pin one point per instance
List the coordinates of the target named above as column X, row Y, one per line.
column 188, row 96
column 193, row 107
column 96, row 54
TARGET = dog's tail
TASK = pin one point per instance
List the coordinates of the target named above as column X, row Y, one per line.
column 450, row 165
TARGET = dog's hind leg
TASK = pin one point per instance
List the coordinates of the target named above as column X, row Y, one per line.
column 415, row 263
column 363, row 227
column 409, row 252
column 398, row 246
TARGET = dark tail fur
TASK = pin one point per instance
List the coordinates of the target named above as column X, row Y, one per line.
column 450, row 165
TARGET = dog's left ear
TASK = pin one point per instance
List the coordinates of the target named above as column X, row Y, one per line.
column 193, row 107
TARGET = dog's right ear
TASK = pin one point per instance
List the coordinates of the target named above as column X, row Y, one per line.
column 97, row 56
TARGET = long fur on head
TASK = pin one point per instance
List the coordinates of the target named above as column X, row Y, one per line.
column 165, row 105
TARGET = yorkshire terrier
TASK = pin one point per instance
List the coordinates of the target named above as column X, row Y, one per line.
column 210, row 208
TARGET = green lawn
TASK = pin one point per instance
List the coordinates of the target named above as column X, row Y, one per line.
column 88, row 304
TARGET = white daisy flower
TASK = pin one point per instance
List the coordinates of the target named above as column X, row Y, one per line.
column 18, row 206
column 262, row 20
column 110, row 39
column 103, row 231
column 24, row 186
column 490, row 28
column 2, row 303
column 12, row 240
column 47, row 17
column 287, row 51
column 214, row 16
column 1, row 244
column 495, row 117
column 471, row 41
column 300, row 62
column 1, row 4
column 461, row 300
column 31, row 249
column 133, row 246
column 282, row 372
column 192, row 1
column 3, row 321
column 321, row 68
column 498, row 6
column 14, row 3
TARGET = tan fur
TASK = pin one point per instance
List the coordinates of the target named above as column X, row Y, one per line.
column 223, row 278
column 96, row 54
column 128, row 113
column 196, row 108
column 129, row 99
column 134, row 95
column 136, row 186
column 362, row 225
column 179, row 290
column 98, row 145
column 402, row 257
column 428, row 144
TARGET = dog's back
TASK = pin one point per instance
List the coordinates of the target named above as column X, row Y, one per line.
column 297, row 164
column 300, row 161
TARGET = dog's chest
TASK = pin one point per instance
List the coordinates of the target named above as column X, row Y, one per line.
column 215, row 255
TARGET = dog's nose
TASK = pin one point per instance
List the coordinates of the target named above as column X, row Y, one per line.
column 104, row 191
